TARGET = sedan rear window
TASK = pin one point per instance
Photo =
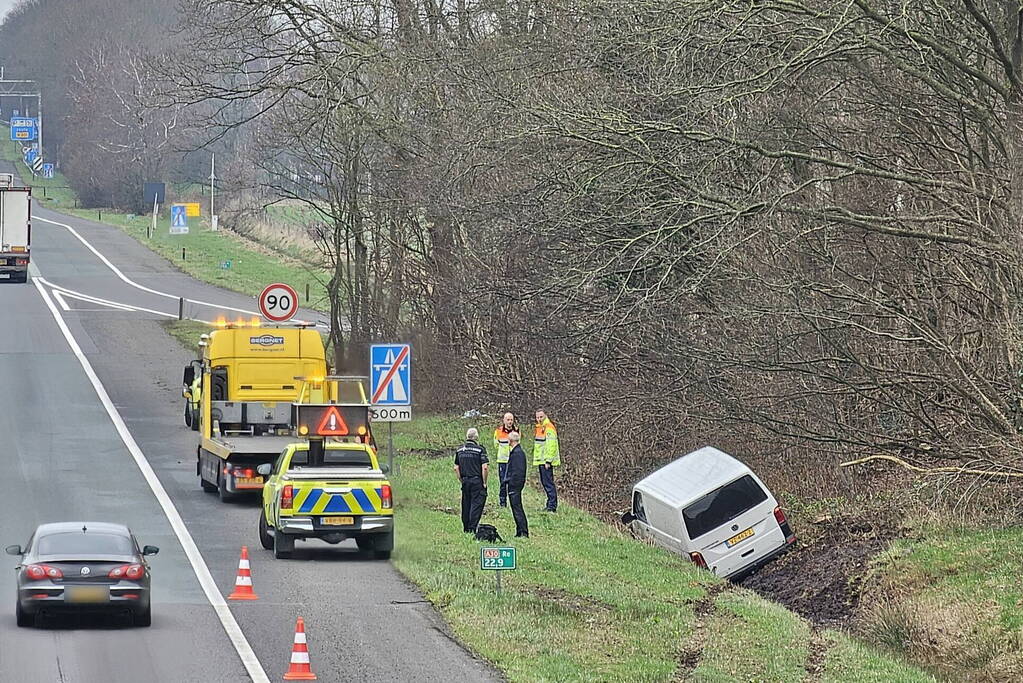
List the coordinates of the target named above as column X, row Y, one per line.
column 722, row 505
column 79, row 543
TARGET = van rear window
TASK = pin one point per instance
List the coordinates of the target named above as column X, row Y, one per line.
column 722, row 505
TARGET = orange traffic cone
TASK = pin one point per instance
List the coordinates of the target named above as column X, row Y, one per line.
column 243, row 583
column 299, row 669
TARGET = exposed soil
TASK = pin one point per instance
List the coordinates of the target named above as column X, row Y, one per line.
column 570, row 602
column 821, row 577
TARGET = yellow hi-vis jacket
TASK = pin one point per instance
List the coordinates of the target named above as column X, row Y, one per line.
column 545, row 444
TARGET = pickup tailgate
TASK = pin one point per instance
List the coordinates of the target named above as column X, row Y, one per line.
column 342, row 492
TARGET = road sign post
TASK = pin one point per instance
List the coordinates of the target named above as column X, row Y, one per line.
column 390, row 372
column 278, row 302
column 498, row 560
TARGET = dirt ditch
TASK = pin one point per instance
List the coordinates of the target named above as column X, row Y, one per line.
column 821, row 577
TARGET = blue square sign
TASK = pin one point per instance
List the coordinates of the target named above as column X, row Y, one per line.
column 390, row 372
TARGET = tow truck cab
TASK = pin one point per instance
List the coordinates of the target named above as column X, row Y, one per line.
column 239, row 395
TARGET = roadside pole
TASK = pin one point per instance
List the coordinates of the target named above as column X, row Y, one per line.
column 390, row 448
column 213, row 166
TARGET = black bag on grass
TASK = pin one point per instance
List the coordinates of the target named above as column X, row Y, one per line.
column 488, row 533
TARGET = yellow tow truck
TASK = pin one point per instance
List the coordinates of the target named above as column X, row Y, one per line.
column 239, row 395
column 331, row 487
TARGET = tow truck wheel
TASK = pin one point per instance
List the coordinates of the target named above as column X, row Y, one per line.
column 23, row 619
column 265, row 539
column 188, row 415
column 283, row 546
column 225, row 495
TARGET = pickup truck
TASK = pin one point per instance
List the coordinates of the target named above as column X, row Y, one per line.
column 340, row 492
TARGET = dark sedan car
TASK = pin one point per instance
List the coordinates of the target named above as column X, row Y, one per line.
column 73, row 567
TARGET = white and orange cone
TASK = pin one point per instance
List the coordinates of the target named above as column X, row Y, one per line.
column 299, row 669
column 243, row 582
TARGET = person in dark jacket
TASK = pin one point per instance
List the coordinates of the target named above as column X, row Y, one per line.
column 471, row 469
column 515, row 480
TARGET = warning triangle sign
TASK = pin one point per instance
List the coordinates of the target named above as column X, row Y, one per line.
column 332, row 424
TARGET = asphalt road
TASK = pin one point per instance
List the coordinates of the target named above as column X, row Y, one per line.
column 362, row 618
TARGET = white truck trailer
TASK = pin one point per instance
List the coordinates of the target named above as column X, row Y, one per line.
column 15, row 229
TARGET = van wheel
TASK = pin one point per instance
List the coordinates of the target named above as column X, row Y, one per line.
column 265, row 538
column 206, row 486
column 284, row 545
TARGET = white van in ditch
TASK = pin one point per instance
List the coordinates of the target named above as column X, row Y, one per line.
column 711, row 508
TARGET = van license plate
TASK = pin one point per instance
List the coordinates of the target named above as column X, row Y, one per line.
column 739, row 537
column 338, row 521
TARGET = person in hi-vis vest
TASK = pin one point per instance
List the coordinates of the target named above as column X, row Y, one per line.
column 503, row 448
column 546, row 456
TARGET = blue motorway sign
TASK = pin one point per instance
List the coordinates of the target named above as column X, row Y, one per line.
column 47, row 170
column 179, row 219
column 23, row 129
column 390, row 371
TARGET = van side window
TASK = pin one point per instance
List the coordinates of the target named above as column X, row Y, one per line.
column 722, row 505
column 637, row 506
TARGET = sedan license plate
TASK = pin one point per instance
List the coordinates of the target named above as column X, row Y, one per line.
column 338, row 521
column 248, row 481
column 741, row 536
column 86, row 594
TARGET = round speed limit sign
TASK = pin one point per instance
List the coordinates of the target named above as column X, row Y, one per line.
column 278, row 302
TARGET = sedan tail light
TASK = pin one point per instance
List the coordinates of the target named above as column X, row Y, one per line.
column 43, row 571
column 128, row 571
column 287, row 497
column 385, row 496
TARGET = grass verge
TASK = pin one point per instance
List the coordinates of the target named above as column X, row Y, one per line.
column 951, row 597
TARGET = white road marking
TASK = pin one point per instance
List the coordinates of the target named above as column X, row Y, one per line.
column 105, row 302
column 202, row 572
column 116, row 271
column 60, row 299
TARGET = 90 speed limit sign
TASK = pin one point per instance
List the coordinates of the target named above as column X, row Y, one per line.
column 278, row 302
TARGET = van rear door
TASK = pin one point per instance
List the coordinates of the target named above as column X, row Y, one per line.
column 734, row 525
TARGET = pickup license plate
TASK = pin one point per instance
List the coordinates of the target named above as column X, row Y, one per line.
column 338, row 521
column 248, row 481
column 86, row 594
column 741, row 536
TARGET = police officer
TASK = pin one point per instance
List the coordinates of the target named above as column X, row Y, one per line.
column 471, row 470
column 514, row 480
column 546, row 456
column 503, row 448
